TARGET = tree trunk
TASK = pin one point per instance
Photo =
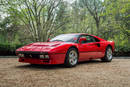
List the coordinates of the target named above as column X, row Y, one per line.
column 97, row 25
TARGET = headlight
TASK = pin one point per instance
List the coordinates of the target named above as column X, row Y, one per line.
column 20, row 55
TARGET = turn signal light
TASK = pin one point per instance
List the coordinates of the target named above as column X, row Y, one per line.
column 44, row 56
column 20, row 55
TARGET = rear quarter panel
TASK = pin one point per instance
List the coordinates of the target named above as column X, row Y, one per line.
column 105, row 44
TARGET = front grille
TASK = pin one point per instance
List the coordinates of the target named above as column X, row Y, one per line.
column 31, row 55
column 32, row 52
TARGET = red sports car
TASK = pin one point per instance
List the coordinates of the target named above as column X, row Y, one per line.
column 68, row 49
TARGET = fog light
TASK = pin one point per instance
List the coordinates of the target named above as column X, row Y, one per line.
column 20, row 55
column 41, row 56
column 47, row 56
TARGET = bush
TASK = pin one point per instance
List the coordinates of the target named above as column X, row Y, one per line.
column 8, row 49
column 122, row 51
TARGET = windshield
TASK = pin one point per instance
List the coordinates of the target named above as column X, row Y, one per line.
column 65, row 38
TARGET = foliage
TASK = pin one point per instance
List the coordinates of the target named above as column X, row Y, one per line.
column 8, row 49
column 26, row 21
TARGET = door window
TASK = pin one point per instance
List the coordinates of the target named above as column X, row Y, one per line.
column 89, row 38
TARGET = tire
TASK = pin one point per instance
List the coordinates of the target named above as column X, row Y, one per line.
column 108, row 55
column 71, row 58
column 33, row 64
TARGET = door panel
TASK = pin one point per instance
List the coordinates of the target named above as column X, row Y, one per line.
column 87, row 51
column 91, row 49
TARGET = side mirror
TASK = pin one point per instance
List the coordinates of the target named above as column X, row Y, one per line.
column 82, row 40
column 48, row 40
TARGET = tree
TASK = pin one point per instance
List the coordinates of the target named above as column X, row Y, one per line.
column 62, row 17
column 38, row 16
column 95, row 8
column 118, row 15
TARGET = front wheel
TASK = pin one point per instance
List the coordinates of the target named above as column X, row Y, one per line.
column 108, row 55
column 71, row 58
column 33, row 64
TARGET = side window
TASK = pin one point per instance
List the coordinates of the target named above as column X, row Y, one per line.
column 97, row 40
column 90, row 39
column 83, row 37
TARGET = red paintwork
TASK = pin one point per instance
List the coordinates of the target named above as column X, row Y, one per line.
column 57, row 50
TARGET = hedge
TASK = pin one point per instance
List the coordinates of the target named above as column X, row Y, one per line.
column 7, row 49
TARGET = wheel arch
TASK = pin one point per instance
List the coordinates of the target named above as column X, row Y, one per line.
column 72, row 47
column 109, row 45
column 75, row 48
column 65, row 61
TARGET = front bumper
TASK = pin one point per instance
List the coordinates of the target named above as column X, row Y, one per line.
column 34, row 61
column 53, row 59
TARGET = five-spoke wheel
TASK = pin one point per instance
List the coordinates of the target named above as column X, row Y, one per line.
column 71, row 57
column 108, row 55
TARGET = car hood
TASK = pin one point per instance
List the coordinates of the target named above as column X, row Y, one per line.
column 40, row 46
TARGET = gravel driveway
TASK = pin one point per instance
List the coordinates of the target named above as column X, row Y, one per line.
column 88, row 74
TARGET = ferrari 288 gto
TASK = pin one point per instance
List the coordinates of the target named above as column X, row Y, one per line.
column 67, row 49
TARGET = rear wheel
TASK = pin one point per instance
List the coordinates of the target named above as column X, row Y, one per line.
column 71, row 58
column 108, row 55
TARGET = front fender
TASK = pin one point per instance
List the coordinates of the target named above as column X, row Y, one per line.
column 63, row 48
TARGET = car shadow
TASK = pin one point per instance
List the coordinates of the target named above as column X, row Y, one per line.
column 96, row 61
column 59, row 66
column 47, row 67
